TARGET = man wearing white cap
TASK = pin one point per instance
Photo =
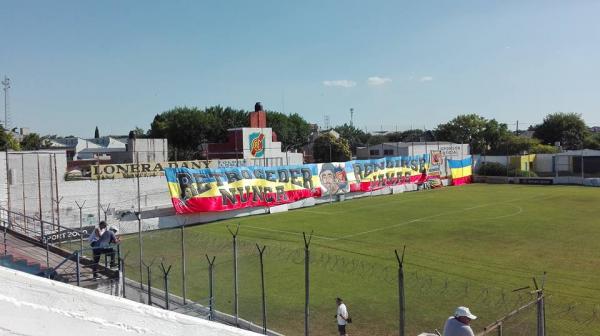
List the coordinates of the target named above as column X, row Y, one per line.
column 458, row 325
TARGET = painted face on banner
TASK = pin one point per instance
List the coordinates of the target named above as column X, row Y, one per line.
column 333, row 178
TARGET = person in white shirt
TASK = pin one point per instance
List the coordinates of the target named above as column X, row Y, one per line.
column 458, row 325
column 341, row 316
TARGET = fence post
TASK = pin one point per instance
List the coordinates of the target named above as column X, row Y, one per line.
column 78, row 268
column 122, row 267
column 81, row 223
column 5, row 251
column 105, row 211
column 500, row 329
column 149, row 270
column 306, row 281
column 47, row 252
column 211, row 297
column 235, row 277
column 262, row 285
column 183, row 270
column 43, row 234
column 541, row 314
column 401, row 299
column 166, row 280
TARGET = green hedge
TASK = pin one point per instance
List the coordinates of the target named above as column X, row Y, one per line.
column 498, row 169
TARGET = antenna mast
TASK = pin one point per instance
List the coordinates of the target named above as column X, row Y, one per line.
column 6, row 84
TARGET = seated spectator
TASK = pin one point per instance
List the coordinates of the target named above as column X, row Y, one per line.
column 458, row 325
column 102, row 246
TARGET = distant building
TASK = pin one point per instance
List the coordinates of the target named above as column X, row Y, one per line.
column 595, row 129
column 448, row 149
column 82, row 153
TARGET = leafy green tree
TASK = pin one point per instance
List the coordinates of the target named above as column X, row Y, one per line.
column 187, row 127
column 7, row 140
column 355, row 136
column 592, row 141
column 413, row 135
column 32, row 141
column 481, row 134
column 293, row 131
column 327, row 148
column 567, row 128
column 376, row 139
column 139, row 132
column 516, row 145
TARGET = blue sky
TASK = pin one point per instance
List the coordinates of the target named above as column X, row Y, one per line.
column 399, row 64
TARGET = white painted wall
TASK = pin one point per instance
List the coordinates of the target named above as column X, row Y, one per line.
column 31, row 305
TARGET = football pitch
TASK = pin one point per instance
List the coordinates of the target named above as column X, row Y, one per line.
column 470, row 245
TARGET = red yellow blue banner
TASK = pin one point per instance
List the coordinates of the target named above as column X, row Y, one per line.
column 461, row 170
column 223, row 189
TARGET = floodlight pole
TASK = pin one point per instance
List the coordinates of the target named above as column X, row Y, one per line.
column 139, row 218
column 98, row 189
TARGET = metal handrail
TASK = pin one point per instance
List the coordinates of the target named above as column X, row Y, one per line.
column 80, row 253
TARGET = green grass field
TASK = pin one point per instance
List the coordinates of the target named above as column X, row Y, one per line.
column 470, row 245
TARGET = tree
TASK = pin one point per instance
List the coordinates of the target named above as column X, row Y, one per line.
column 7, row 140
column 32, row 141
column 481, row 134
column 355, row 136
column 138, row 132
column 516, row 145
column 413, row 135
column 376, row 139
column 96, row 133
column 327, row 148
column 567, row 128
column 187, row 127
column 592, row 141
column 293, row 131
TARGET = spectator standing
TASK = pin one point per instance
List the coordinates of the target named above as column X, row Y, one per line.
column 341, row 316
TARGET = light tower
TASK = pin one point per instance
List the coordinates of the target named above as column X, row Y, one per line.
column 351, row 117
column 6, row 84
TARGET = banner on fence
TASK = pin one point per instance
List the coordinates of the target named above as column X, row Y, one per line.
column 461, row 170
column 222, row 189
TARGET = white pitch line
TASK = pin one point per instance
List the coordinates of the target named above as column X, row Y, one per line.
column 424, row 218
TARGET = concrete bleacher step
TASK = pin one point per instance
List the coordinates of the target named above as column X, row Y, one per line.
column 22, row 265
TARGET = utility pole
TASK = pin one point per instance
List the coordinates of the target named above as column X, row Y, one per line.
column 6, row 84
column 351, row 117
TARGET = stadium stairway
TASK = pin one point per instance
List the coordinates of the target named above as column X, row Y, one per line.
column 25, row 255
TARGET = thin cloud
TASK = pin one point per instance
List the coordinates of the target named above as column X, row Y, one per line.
column 426, row 79
column 377, row 81
column 340, row 82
